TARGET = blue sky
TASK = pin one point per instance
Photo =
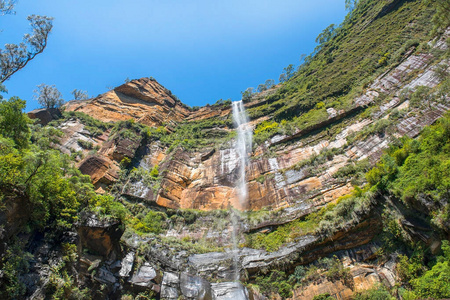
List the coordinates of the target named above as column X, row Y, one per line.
column 201, row 50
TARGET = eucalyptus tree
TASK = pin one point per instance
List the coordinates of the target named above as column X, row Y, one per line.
column 79, row 95
column 14, row 57
column 48, row 96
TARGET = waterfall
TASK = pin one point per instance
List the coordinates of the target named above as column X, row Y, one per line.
column 243, row 147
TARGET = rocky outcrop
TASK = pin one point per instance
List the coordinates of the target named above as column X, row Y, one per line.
column 99, row 236
column 45, row 115
column 144, row 100
column 100, row 169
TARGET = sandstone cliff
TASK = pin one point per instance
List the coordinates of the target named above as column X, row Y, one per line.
column 175, row 168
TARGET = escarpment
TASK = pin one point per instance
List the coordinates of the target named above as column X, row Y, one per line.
column 343, row 179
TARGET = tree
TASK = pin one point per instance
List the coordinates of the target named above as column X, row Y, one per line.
column 247, row 94
column 350, row 5
column 422, row 97
column 261, row 88
column 80, row 95
column 13, row 122
column 270, row 83
column 48, row 96
column 326, row 35
column 15, row 57
column 441, row 18
column 6, row 7
column 289, row 71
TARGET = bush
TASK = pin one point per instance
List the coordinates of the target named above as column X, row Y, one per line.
column 377, row 293
column 85, row 144
column 105, row 206
column 275, row 282
column 325, row 296
column 150, row 223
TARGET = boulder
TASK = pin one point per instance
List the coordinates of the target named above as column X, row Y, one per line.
column 194, row 287
column 45, row 115
column 145, row 276
column 169, row 286
column 99, row 236
column 127, row 265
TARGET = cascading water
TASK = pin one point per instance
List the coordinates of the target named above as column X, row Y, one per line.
column 243, row 147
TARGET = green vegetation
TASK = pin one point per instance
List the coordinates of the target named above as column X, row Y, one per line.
column 275, row 282
column 43, row 178
column 198, row 134
column 413, row 169
column 441, row 18
column 85, row 144
column 325, row 296
column 130, row 130
column 285, row 233
column 222, row 103
column 14, row 263
column 48, row 96
column 61, row 284
column 377, row 293
column 331, row 269
column 349, row 57
column 354, row 170
column 94, row 126
column 425, row 282
column 279, row 282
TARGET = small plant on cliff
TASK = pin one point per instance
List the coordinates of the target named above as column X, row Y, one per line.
column 150, row 223
column 378, row 292
column 105, row 206
column 325, row 296
column 275, row 282
column 85, row 144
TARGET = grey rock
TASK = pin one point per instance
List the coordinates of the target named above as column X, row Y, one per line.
column 144, row 276
column 169, row 286
column 229, row 291
column 105, row 276
column 127, row 265
column 194, row 287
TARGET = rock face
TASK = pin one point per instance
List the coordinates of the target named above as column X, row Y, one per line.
column 289, row 175
column 143, row 100
column 99, row 236
column 229, row 291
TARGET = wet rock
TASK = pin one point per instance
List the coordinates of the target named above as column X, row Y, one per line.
column 229, row 291
column 145, row 276
column 169, row 286
column 208, row 154
column 127, row 265
column 104, row 276
column 194, row 287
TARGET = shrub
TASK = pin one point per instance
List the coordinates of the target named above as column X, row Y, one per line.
column 376, row 293
column 85, row 144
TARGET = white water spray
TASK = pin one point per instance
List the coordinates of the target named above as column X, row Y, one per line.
column 243, row 147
